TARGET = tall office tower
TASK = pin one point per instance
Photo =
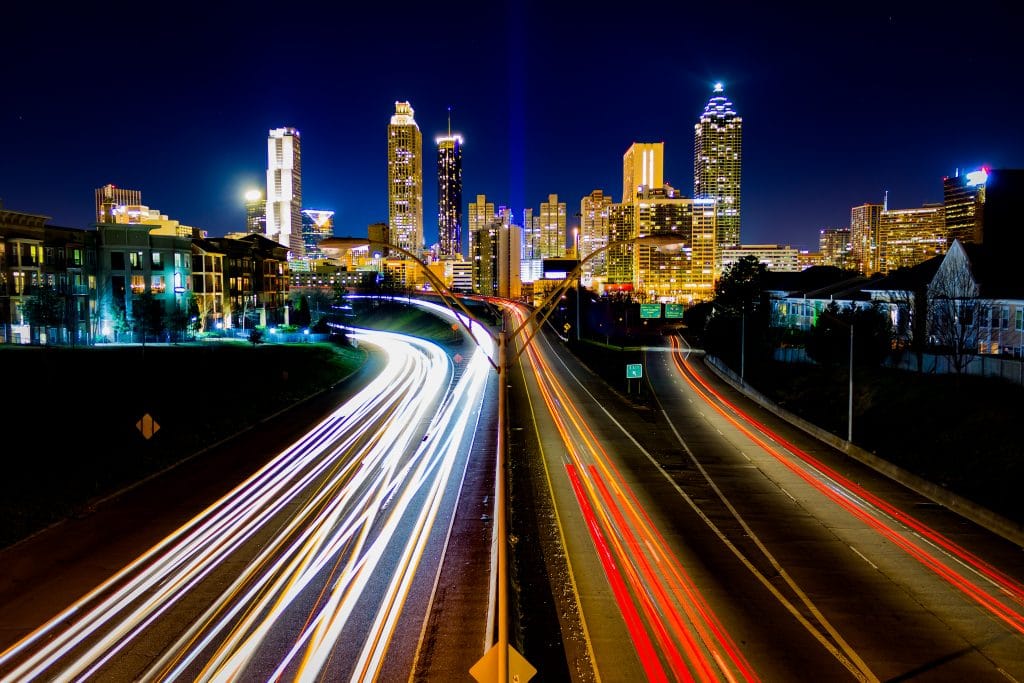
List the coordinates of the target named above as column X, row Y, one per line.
column 405, row 180
column 284, row 189
column 834, row 246
column 717, row 156
column 317, row 225
column 864, row 237
column 552, row 228
column 482, row 222
column 449, row 194
column 595, row 210
column 642, row 167
column 110, row 196
column 255, row 213
column 963, row 198
column 619, row 264
column 907, row 237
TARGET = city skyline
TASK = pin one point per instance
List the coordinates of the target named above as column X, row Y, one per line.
column 824, row 130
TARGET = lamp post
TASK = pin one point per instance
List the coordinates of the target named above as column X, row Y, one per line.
column 849, row 405
column 501, row 647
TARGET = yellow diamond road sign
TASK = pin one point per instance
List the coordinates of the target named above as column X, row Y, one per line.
column 147, row 425
column 486, row 668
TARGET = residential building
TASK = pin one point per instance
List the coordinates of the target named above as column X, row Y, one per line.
column 284, row 189
column 33, row 255
column 208, row 287
column 257, row 279
column 405, row 180
column 717, row 164
column 136, row 260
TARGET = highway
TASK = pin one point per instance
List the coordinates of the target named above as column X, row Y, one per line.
column 701, row 543
column 320, row 566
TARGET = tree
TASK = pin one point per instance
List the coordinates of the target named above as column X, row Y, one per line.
column 828, row 342
column 739, row 316
column 45, row 308
column 148, row 314
column 300, row 314
column 956, row 314
column 740, row 287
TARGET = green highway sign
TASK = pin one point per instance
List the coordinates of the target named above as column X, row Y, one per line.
column 650, row 310
column 673, row 310
column 634, row 371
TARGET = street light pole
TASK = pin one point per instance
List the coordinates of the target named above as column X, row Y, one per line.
column 849, row 415
column 743, row 344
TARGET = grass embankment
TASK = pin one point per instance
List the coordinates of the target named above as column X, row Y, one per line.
column 71, row 414
column 393, row 316
column 956, row 431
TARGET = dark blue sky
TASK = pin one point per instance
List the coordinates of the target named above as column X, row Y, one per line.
column 838, row 106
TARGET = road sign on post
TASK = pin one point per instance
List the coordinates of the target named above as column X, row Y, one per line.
column 634, row 371
column 673, row 310
column 650, row 310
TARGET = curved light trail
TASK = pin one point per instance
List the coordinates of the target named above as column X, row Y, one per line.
column 674, row 631
column 300, row 572
column 992, row 590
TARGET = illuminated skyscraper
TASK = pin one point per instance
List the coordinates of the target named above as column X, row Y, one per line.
column 255, row 213
column 284, row 189
column 642, row 167
column 405, row 180
column 316, row 225
column 964, row 203
column 552, row 228
column 834, row 245
column 717, row 156
column 864, row 237
column 449, row 194
column 595, row 210
column 110, row 196
column 907, row 237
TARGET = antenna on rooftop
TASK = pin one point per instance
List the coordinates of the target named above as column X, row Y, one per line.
column 885, row 201
column 449, row 120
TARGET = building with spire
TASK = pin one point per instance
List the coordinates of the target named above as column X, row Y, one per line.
column 717, row 157
column 405, row 180
column 284, row 189
column 449, row 194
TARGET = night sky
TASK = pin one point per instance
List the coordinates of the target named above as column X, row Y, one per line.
column 177, row 102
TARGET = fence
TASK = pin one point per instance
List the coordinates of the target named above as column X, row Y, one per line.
column 1010, row 369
